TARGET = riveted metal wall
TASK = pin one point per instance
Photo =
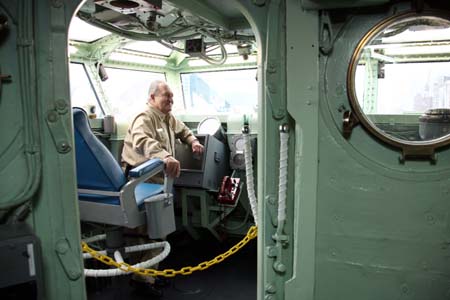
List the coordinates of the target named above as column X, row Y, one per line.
column 19, row 152
column 383, row 226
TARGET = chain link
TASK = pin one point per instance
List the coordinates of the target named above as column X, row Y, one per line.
column 251, row 234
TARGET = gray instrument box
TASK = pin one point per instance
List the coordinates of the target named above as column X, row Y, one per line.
column 206, row 171
column 20, row 256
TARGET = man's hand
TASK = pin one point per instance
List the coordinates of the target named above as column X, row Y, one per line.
column 197, row 148
column 172, row 166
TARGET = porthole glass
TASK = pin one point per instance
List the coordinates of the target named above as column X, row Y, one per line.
column 399, row 80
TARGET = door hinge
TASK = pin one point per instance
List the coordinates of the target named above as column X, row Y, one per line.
column 57, row 127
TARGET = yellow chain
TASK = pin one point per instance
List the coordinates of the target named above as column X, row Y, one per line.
column 251, row 234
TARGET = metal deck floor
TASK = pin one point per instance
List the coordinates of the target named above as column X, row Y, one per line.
column 234, row 278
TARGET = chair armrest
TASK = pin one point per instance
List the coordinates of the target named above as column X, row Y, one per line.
column 151, row 165
column 140, row 174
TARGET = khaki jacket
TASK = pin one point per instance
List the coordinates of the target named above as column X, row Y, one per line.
column 152, row 134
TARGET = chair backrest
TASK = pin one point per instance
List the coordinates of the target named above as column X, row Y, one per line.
column 96, row 167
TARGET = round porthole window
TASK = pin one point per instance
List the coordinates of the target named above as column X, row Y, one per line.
column 398, row 81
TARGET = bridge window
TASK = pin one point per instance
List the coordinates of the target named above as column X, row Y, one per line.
column 220, row 92
column 81, row 92
column 127, row 91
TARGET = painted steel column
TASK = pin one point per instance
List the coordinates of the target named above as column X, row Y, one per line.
column 303, row 103
column 56, row 216
column 272, row 113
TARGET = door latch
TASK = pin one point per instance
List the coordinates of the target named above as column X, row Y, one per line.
column 4, row 28
column 3, row 78
column 349, row 120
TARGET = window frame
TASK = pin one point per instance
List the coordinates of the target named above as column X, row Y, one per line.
column 215, row 70
column 351, row 118
column 114, row 66
column 91, row 84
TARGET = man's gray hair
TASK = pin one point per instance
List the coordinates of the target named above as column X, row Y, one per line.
column 153, row 89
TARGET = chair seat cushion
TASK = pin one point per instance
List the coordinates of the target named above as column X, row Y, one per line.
column 142, row 191
column 146, row 190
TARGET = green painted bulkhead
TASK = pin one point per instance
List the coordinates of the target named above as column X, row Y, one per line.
column 367, row 225
column 382, row 225
column 362, row 223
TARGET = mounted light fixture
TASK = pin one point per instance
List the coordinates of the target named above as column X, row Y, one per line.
column 101, row 71
column 244, row 49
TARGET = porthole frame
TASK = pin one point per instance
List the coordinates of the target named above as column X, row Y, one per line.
column 410, row 149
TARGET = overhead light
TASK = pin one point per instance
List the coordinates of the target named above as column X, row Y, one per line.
column 101, row 71
column 244, row 50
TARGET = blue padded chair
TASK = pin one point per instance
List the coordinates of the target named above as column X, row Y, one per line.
column 104, row 194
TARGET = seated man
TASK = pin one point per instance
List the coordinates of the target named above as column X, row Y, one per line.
column 152, row 134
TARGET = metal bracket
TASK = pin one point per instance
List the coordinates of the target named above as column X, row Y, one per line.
column 331, row 28
column 326, row 34
column 421, row 153
column 349, row 121
column 57, row 127
column 67, row 258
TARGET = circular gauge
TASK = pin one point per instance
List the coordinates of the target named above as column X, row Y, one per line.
column 239, row 144
column 237, row 161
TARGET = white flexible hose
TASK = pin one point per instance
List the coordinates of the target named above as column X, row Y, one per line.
column 95, row 238
column 282, row 183
column 117, row 272
column 136, row 248
column 249, row 175
column 118, row 256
